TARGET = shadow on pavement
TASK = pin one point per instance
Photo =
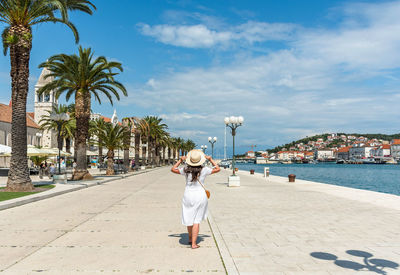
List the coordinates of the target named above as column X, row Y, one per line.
column 184, row 238
column 368, row 263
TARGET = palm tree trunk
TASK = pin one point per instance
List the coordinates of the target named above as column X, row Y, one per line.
column 127, row 144
column 68, row 145
column 169, row 155
column 18, row 175
column 100, row 153
column 110, row 162
column 82, row 112
column 153, row 152
column 144, row 155
column 137, row 150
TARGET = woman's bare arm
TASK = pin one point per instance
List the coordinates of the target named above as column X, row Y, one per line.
column 216, row 168
column 174, row 168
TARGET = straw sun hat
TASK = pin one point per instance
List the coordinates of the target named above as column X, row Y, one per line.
column 195, row 158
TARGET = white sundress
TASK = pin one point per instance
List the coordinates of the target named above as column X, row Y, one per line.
column 194, row 201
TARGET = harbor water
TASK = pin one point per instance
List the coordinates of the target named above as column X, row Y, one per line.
column 379, row 178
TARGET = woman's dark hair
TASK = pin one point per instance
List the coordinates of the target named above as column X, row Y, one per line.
column 194, row 170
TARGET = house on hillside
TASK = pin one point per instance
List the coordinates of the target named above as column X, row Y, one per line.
column 360, row 151
column 343, row 153
column 324, row 154
column 395, row 148
column 381, row 151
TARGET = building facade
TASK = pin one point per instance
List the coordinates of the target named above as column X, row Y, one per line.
column 43, row 105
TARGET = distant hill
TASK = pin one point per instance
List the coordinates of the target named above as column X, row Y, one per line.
column 334, row 142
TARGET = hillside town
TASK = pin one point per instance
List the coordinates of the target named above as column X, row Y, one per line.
column 340, row 148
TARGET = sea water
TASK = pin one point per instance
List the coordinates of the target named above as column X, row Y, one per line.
column 379, row 178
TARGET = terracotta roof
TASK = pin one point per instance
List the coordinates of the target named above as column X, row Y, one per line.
column 344, row 149
column 31, row 114
column 396, row 141
column 6, row 115
column 107, row 119
column 386, row 146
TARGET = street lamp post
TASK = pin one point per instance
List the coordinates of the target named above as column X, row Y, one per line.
column 212, row 141
column 233, row 123
column 203, row 147
column 59, row 119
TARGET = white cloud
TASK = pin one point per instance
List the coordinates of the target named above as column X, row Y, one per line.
column 201, row 36
column 326, row 80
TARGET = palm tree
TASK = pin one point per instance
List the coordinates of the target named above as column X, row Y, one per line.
column 156, row 130
column 94, row 127
column 19, row 17
column 179, row 146
column 189, row 145
column 111, row 137
column 84, row 78
column 66, row 129
column 139, row 128
column 127, row 142
column 164, row 143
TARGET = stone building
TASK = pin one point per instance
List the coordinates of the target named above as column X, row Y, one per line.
column 43, row 105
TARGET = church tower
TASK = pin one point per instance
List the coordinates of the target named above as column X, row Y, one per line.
column 43, row 104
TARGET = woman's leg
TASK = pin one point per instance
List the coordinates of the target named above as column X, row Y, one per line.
column 195, row 233
column 189, row 228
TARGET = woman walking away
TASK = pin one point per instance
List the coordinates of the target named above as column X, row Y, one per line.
column 194, row 202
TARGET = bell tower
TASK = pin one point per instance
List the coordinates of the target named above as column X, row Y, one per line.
column 44, row 103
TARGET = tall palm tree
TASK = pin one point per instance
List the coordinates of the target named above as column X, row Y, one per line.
column 127, row 142
column 67, row 128
column 156, row 130
column 139, row 128
column 111, row 137
column 94, row 127
column 164, row 143
column 180, row 144
column 19, row 17
column 189, row 145
column 83, row 77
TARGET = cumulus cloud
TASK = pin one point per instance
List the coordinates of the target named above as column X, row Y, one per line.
column 325, row 80
column 201, row 36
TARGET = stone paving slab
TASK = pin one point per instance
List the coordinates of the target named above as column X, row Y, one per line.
column 276, row 227
column 127, row 226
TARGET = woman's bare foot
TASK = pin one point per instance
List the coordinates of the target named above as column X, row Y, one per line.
column 195, row 246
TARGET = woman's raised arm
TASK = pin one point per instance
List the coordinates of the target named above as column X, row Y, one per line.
column 174, row 168
column 216, row 168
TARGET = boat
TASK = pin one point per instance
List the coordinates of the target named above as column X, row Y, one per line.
column 225, row 163
column 340, row 161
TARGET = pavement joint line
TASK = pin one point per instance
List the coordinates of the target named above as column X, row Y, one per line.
column 70, row 230
column 77, row 186
column 226, row 257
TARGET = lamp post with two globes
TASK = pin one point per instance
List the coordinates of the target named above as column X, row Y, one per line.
column 233, row 123
column 203, row 147
column 212, row 141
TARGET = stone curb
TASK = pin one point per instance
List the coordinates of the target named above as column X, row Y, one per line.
column 80, row 185
column 226, row 257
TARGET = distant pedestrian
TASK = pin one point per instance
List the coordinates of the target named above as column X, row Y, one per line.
column 41, row 170
column 52, row 170
column 194, row 202
column 74, row 165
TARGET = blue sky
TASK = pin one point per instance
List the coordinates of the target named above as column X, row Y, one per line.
column 291, row 68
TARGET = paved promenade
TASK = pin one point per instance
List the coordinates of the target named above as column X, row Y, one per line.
column 277, row 227
column 127, row 226
column 270, row 226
